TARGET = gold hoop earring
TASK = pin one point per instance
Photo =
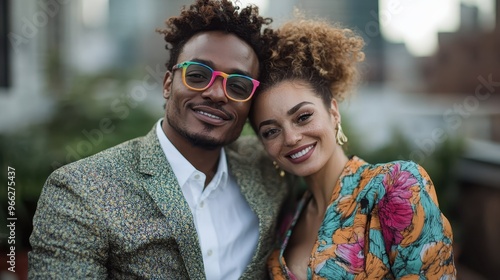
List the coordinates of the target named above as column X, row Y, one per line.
column 280, row 171
column 340, row 136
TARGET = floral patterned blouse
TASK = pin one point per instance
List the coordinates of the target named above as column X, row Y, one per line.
column 383, row 222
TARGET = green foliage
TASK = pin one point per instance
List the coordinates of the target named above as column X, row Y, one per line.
column 247, row 129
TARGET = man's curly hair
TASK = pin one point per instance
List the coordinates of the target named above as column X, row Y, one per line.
column 315, row 51
column 214, row 15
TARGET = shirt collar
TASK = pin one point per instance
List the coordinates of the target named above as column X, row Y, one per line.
column 221, row 176
column 181, row 167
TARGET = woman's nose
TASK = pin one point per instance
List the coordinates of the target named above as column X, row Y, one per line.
column 292, row 136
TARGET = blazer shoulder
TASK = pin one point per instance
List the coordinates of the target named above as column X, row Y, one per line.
column 119, row 158
column 246, row 141
column 248, row 154
column 252, row 166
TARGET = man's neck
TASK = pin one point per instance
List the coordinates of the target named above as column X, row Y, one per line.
column 204, row 160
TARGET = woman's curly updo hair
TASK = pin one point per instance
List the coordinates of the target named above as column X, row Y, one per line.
column 214, row 15
column 315, row 51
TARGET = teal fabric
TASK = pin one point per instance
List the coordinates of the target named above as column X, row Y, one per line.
column 383, row 222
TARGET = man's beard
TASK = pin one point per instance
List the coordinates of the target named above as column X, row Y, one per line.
column 196, row 139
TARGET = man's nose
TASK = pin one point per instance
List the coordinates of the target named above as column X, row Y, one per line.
column 216, row 91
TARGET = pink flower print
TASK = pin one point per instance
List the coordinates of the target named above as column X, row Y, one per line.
column 352, row 255
column 395, row 210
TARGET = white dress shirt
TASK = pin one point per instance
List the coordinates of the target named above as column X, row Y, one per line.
column 227, row 227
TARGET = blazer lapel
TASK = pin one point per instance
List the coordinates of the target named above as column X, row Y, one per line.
column 164, row 189
column 247, row 165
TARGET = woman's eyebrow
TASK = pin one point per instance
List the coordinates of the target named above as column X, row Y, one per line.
column 297, row 107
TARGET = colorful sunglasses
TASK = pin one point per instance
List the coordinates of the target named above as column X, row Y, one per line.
column 198, row 76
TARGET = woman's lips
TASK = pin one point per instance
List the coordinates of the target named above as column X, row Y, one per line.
column 300, row 154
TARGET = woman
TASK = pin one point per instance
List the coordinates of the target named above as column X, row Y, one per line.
column 356, row 220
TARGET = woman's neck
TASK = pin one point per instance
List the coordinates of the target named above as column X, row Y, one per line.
column 322, row 183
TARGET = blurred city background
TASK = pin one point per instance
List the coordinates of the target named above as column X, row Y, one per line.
column 80, row 76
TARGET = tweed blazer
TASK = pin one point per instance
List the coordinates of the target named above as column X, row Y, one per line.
column 121, row 214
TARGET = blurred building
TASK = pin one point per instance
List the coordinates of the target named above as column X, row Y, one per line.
column 45, row 44
column 468, row 63
column 4, row 45
column 23, row 52
column 463, row 56
column 466, row 69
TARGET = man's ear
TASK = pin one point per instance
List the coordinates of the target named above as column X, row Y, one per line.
column 167, row 84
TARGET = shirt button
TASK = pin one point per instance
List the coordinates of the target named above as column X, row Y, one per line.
column 202, row 204
column 197, row 176
column 209, row 252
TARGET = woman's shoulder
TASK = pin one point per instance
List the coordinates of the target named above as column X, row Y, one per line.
column 380, row 176
column 395, row 167
column 395, row 178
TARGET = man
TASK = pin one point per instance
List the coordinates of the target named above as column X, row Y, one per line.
column 178, row 203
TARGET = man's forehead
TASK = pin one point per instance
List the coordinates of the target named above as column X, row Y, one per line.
column 222, row 51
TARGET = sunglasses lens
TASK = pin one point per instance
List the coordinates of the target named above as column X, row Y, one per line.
column 198, row 76
column 239, row 87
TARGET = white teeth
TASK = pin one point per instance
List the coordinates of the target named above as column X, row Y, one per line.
column 301, row 153
column 209, row 115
